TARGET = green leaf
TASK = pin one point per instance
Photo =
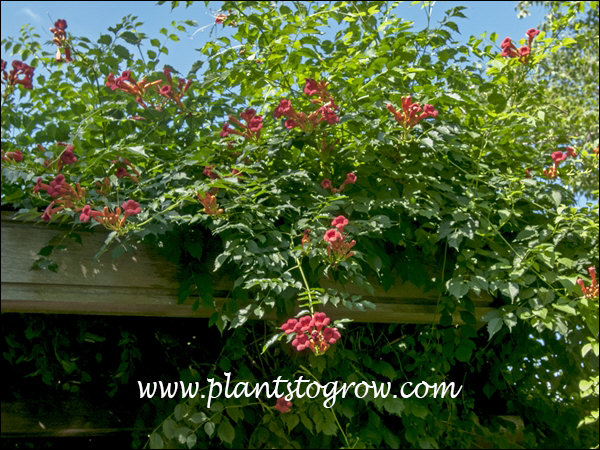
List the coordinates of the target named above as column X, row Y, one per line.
column 428, row 142
column 564, row 306
column 510, row 320
column 253, row 247
column 384, row 368
column 513, row 290
column 329, row 427
column 138, row 149
column 468, row 317
column 457, row 287
column 209, row 428
column 156, row 441
column 391, row 439
column 129, row 37
column 46, row 251
column 307, row 422
column 121, row 51
column 494, row 326
column 198, row 418
column 169, row 429
column 182, row 434
column 464, row 350
column 504, row 216
column 219, row 260
column 446, row 320
column 420, row 411
column 271, row 341
column 556, row 197
column 498, row 101
column 291, row 420
column 105, row 39
column 226, row 432
column 394, row 405
column 191, row 440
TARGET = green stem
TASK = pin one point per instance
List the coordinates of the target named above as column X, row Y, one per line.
column 479, row 160
column 442, row 287
column 340, row 427
column 309, row 373
column 310, row 302
column 299, row 266
column 173, row 206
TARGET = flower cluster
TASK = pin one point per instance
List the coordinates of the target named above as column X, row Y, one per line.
column 319, row 89
column 103, row 188
column 337, row 248
column 312, row 332
column 54, row 188
column 64, row 195
column 235, row 172
column 127, row 84
column 306, row 237
column 571, row 152
column 412, row 113
column 250, row 131
column 552, row 172
column 67, row 157
column 283, row 406
column 589, row 291
column 111, row 220
column 557, row 158
column 13, row 77
column 307, row 123
column 122, row 172
column 60, row 39
column 16, row 156
column 173, row 92
column 326, row 183
column 209, row 202
column 209, row 172
column 509, row 49
column 222, row 17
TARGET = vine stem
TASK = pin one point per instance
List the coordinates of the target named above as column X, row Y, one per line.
column 310, row 302
column 299, row 266
column 308, row 372
column 340, row 427
column 437, row 308
column 173, row 206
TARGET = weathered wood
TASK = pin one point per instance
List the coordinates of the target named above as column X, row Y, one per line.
column 144, row 284
column 78, row 417
column 68, row 417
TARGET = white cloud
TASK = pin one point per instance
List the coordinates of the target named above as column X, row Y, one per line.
column 31, row 14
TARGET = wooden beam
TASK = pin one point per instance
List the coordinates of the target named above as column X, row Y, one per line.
column 144, row 284
column 68, row 416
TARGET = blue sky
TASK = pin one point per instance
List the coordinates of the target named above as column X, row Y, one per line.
column 92, row 18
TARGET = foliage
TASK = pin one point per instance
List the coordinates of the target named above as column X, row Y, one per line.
column 571, row 73
column 455, row 201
